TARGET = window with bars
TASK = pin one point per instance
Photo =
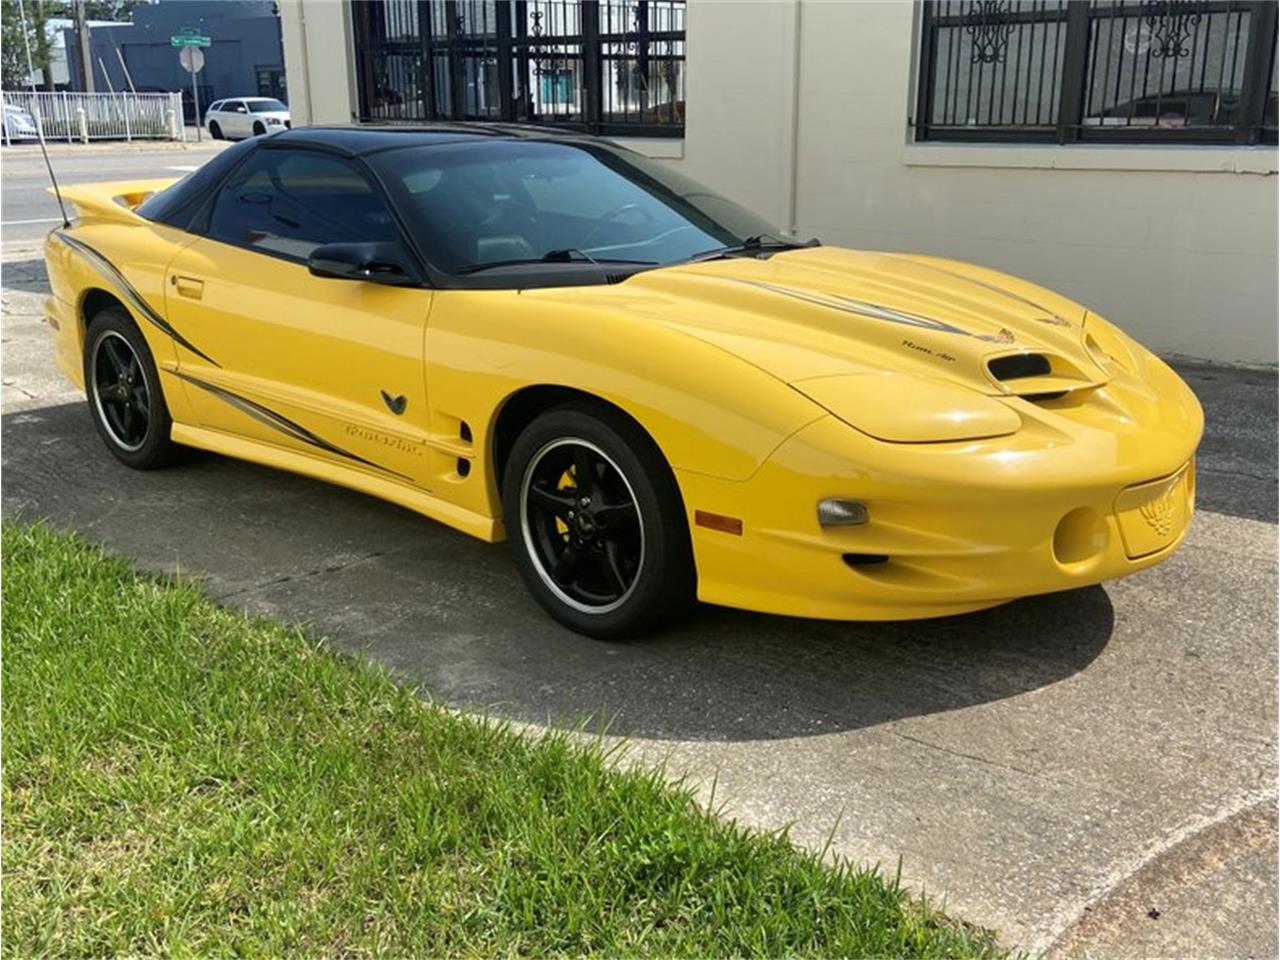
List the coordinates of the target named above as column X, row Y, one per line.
column 605, row 66
column 1192, row 71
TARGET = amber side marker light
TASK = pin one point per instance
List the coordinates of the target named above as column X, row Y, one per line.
column 717, row 521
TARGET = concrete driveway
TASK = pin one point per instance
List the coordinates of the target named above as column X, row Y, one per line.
column 1086, row 772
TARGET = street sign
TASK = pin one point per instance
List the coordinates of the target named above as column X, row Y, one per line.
column 189, row 37
column 192, row 59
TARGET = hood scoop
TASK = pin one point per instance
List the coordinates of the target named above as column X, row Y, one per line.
column 1038, row 376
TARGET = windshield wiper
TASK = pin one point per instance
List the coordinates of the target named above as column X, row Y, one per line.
column 566, row 255
column 754, row 244
column 552, row 256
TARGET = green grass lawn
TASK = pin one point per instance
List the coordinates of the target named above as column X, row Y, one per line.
column 180, row 779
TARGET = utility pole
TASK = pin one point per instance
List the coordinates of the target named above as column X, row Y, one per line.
column 82, row 47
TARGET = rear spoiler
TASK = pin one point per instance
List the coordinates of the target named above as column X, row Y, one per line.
column 111, row 202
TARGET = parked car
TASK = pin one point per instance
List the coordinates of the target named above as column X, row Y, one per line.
column 241, row 117
column 640, row 384
column 18, row 124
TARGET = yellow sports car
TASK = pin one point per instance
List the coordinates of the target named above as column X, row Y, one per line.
column 653, row 396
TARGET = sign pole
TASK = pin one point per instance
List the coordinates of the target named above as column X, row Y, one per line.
column 195, row 101
column 189, row 42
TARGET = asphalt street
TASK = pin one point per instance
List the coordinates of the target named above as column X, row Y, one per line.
column 28, row 212
column 1089, row 772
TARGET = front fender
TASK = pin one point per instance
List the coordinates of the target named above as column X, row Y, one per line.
column 708, row 411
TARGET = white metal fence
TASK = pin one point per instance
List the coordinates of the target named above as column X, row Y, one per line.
column 99, row 116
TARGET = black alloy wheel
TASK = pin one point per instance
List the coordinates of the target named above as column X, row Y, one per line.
column 258, row 128
column 120, row 391
column 124, row 393
column 596, row 522
column 581, row 522
column 215, row 130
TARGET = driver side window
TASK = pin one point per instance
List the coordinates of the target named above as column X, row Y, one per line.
column 288, row 202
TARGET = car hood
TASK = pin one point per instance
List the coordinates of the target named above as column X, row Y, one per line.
column 831, row 312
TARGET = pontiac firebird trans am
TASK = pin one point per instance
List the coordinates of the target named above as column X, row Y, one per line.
column 548, row 338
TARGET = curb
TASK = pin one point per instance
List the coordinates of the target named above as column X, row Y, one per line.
column 62, row 148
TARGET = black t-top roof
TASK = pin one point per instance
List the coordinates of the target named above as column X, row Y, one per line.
column 357, row 140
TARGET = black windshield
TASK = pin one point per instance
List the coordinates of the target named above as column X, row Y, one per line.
column 501, row 201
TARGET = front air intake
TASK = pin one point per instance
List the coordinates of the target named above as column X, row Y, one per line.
column 1019, row 365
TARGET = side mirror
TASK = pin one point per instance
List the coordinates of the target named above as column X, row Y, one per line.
column 371, row 262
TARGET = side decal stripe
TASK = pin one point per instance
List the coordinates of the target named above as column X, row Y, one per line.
column 269, row 417
column 130, row 293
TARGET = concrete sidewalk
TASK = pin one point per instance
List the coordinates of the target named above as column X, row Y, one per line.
column 1091, row 772
column 64, row 148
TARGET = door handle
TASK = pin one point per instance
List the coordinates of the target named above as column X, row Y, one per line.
column 188, row 286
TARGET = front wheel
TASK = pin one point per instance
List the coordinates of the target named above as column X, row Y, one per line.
column 258, row 128
column 124, row 394
column 215, row 131
column 597, row 524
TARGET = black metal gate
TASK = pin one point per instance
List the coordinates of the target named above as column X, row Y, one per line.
column 1189, row 71
column 605, row 66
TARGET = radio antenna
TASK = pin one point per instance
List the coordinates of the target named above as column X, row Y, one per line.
column 44, row 151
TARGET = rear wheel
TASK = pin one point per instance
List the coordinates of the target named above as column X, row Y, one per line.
column 258, row 128
column 124, row 394
column 215, row 130
column 597, row 524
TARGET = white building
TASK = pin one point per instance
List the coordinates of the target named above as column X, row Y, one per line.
column 1121, row 152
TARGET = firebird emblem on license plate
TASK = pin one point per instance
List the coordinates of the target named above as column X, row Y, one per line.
column 1159, row 512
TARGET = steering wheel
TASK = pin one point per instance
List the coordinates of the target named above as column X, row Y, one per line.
column 612, row 215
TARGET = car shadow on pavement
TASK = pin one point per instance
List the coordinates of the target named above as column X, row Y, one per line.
column 449, row 612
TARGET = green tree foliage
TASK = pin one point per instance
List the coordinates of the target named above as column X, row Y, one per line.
column 13, row 52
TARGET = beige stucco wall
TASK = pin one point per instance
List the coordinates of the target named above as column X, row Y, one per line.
column 799, row 109
column 318, row 60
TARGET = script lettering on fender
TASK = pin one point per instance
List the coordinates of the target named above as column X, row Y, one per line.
column 374, row 436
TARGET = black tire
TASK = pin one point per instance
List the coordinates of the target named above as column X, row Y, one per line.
column 215, row 130
column 123, row 390
column 258, row 128
column 603, row 569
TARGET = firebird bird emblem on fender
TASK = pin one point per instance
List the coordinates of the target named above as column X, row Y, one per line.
column 395, row 404
column 1159, row 512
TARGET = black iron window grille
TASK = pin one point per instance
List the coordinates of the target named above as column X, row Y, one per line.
column 604, row 66
column 1180, row 71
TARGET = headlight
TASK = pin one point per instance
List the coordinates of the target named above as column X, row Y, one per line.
column 275, row 121
column 905, row 408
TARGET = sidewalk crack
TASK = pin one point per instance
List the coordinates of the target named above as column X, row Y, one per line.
column 987, row 761
column 305, row 575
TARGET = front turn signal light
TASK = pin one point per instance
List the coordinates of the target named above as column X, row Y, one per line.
column 834, row 512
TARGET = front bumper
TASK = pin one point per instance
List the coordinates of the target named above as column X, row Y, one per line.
column 1070, row 501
